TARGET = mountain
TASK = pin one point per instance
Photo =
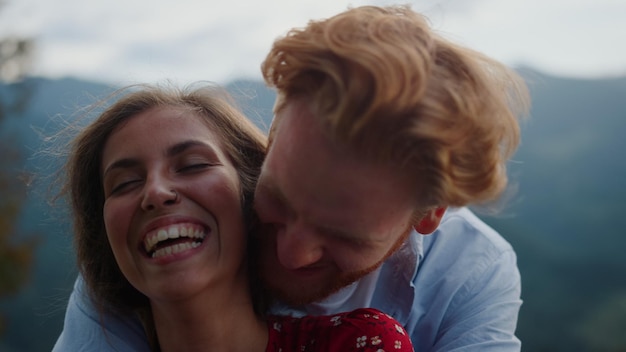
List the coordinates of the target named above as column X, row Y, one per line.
column 567, row 223
column 565, row 219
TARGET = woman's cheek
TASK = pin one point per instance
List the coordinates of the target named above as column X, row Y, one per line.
column 116, row 221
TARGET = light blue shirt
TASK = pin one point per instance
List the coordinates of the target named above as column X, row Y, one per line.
column 457, row 289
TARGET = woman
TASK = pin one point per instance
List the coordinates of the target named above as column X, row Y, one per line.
column 161, row 187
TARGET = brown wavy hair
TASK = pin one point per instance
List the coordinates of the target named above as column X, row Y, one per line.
column 391, row 88
column 244, row 144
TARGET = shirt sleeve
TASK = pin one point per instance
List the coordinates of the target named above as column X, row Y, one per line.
column 86, row 330
column 483, row 315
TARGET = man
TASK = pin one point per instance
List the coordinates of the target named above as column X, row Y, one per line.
column 383, row 133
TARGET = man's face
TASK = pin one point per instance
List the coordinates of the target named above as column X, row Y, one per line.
column 331, row 216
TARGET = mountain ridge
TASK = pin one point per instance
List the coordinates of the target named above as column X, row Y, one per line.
column 565, row 222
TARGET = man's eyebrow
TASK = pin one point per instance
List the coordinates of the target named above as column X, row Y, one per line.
column 271, row 190
column 273, row 193
column 337, row 233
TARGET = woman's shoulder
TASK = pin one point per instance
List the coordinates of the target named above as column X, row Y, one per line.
column 363, row 329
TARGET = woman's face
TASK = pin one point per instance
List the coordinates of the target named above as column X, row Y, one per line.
column 172, row 206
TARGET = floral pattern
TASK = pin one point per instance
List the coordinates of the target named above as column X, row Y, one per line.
column 361, row 330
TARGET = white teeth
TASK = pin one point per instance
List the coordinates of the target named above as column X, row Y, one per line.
column 172, row 232
column 177, row 248
column 161, row 235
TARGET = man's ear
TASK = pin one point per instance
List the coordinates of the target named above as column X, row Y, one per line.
column 430, row 221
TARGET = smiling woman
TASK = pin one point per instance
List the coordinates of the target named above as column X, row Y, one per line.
column 184, row 181
column 161, row 187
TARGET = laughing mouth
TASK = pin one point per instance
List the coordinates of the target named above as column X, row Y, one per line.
column 173, row 239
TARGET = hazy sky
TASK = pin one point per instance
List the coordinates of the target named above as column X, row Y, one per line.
column 129, row 41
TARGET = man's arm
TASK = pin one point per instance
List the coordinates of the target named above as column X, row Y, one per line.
column 466, row 290
column 85, row 329
column 483, row 315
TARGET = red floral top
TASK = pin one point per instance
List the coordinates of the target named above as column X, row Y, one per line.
column 363, row 330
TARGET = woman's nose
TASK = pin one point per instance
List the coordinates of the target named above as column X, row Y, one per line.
column 159, row 193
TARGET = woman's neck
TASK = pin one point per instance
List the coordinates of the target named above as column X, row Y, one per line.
column 213, row 321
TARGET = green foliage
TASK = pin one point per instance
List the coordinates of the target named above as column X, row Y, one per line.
column 604, row 327
column 16, row 256
column 15, row 56
column 39, row 241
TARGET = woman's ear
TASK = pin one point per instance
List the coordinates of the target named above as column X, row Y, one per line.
column 429, row 223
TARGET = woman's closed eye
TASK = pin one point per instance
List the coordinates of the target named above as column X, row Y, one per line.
column 124, row 185
column 193, row 163
column 195, row 167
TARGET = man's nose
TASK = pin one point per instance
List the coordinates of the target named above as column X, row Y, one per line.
column 158, row 192
column 298, row 247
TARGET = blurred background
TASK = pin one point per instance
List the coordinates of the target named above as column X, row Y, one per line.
column 566, row 219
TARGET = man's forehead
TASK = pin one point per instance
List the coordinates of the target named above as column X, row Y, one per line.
column 293, row 114
column 297, row 127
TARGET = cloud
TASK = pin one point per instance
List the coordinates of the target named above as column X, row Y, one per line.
column 141, row 40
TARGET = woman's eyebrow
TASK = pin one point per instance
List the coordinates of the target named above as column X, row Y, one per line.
column 121, row 164
column 172, row 151
column 183, row 146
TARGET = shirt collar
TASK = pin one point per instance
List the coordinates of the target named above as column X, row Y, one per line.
column 389, row 288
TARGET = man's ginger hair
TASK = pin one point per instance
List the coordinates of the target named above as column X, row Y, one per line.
column 384, row 83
